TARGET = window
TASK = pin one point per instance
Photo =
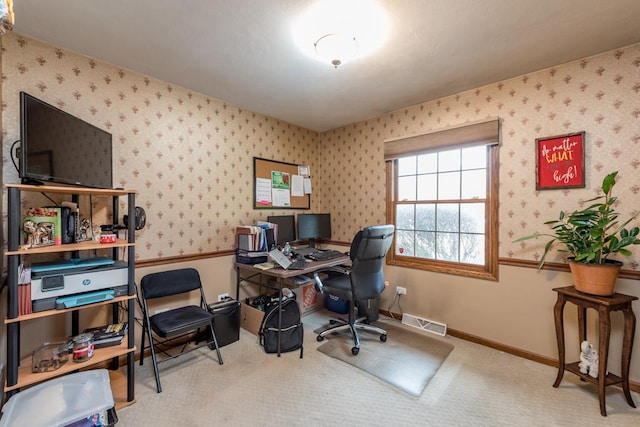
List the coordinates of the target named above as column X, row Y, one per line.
column 444, row 204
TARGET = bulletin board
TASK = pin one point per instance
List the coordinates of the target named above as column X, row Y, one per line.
column 279, row 175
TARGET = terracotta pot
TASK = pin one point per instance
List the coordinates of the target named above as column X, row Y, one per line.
column 595, row 279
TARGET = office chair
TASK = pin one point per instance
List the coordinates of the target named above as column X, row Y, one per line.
column 174, row 326
column 362, row 282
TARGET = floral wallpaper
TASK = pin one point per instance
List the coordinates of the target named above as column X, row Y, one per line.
column 191, row 156
column 599, row 95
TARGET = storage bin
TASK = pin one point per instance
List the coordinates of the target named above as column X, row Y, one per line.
column 60, row 401
column 336, row 304
column 226, row 321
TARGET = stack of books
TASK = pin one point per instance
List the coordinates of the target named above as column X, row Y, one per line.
column 108, row 335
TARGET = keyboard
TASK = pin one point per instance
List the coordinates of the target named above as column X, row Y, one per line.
column 326, row 255
column 305, row 251
column 299, row 264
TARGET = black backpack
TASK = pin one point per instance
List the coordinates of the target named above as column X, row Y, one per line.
column 291, row 332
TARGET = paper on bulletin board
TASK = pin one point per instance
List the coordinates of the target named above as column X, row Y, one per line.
column 307, row 186
column 263, row 191
column 281, row 197
column 297, row 189
column 280, row 180
column 304, row 170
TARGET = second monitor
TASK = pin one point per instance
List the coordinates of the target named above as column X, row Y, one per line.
column 314, row 226
column 286, row 228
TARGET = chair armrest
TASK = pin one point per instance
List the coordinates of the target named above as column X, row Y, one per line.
column 337, row 269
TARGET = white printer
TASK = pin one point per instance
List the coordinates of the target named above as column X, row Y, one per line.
column 52, row 280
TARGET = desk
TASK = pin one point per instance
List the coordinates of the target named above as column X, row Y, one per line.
column 604, row 306
column 254, row 276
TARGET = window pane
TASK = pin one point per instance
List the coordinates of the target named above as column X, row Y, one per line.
column 407, row 187
column 405, row 217
column 404, row 243
column 449, row 160
column 407, row 166
column 428, row 163
column 426, row 217
column 428, row 187
column 447, row 246
column 472, row 218
column 474, row 184
column 474, row 157
column 449, row 186
column 447, row 217
column 425, row 244
column 472, row 248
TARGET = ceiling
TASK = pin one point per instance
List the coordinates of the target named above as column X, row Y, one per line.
column 242, row 52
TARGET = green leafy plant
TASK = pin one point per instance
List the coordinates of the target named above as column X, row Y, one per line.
column 591, row 234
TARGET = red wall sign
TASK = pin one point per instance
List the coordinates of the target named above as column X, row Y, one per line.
column 560, row 161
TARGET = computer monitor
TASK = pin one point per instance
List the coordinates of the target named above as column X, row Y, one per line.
column 314, row 226
column 286, row 228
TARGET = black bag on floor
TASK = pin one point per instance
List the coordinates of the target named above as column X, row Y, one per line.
column 291, row 332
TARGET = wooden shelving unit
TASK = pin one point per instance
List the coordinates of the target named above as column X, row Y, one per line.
column 19, row 373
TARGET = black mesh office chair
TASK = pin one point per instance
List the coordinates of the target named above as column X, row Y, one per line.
column 363, row 282
column 168, row 328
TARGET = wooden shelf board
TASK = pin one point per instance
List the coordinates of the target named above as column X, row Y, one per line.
column 82, row 246
column 61, row 189
column 610, row 380
column 48, row 313
column 26, row 377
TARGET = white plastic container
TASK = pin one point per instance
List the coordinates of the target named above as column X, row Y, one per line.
column 60, row 401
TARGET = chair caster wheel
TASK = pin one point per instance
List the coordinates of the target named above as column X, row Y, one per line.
column 355, row 351
column 319, row 338
column 383, row 337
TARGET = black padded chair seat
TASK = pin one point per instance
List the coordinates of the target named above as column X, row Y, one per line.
column 171, row 322
column 339, row 286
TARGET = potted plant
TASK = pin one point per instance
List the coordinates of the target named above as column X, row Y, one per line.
column 590, row 235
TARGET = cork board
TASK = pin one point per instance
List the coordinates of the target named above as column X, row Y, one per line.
column 279, row 176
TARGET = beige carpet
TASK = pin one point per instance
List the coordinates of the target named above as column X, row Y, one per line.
column 408, row 360
column 475, row 386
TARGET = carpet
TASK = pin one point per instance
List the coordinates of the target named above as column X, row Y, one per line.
column 408, row 360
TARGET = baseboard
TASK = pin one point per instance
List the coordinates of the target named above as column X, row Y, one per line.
column 505, row 348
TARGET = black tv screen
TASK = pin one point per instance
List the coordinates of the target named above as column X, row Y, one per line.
column 58, row 147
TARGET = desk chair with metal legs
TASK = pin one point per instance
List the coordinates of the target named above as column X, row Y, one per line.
column 362, row 282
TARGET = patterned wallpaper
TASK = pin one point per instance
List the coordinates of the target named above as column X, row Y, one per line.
column 190, row 156
column 599, row 95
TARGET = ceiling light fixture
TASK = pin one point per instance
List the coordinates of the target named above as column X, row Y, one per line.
column 335, row 48
column 338, row 31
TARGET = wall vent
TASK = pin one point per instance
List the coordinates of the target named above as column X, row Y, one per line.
column 425, row 324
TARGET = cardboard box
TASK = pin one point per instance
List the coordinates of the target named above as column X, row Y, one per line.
column 308, row 299
column 250, row 318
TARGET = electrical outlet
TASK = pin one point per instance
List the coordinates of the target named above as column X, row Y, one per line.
column 223, row 297
column 400, row 290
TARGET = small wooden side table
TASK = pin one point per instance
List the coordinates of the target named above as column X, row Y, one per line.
column 604, row 306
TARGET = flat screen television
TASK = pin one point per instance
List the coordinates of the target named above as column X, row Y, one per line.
column 313, row 227
column 286, row 228
column 60, row 148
